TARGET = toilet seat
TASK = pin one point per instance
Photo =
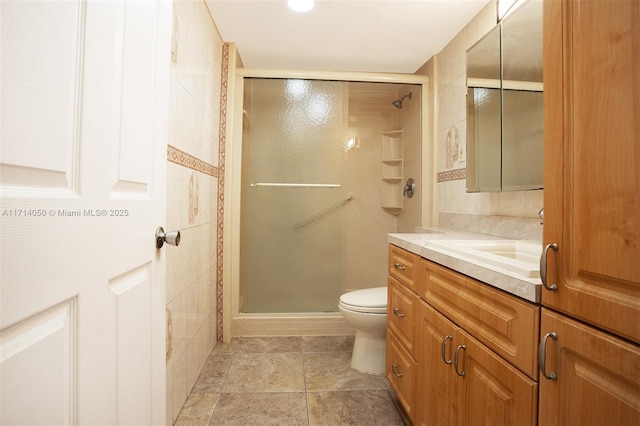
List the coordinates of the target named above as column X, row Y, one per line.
column 370, row 300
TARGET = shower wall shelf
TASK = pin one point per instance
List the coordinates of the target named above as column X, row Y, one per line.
column 392, row 171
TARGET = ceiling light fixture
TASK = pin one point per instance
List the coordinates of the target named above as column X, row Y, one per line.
column 300, row 5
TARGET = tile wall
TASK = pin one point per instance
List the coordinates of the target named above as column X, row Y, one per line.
column 194, row 179
column 367, row 225
column 450, row 136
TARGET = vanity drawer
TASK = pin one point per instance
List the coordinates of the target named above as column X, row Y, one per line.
column 401, row 370
column 402, row 313
column 505, row 323
column 403, row 266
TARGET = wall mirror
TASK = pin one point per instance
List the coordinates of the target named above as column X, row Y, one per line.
column 504, row 105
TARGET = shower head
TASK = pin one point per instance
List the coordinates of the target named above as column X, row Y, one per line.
column 398, row 103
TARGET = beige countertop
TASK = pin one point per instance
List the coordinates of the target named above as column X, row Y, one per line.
column 423, row 245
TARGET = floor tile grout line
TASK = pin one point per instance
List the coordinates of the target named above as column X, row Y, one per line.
column 304, row 378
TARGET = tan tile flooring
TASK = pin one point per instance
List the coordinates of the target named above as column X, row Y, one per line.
column 292, row 380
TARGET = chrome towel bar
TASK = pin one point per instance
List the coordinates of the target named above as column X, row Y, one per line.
column 296, row 185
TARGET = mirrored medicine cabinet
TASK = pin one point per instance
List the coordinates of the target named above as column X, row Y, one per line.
column 504, row 105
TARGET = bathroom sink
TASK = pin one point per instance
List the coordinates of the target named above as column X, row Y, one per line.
column 521, row 257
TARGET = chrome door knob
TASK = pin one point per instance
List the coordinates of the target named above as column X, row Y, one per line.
column 172, row 238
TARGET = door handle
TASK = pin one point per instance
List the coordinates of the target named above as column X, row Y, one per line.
column 542, row 356
column 396, row 312
column 543, row 267
column 443, row 349
column 455, row 360
column 399, row 267
column 394, row 369
column 172, row 238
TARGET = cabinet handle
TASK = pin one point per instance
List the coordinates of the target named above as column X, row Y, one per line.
column 394, row 369
column 443, row 347
column 396, row 312
column 542, row 356
column 399, row 267
column 455, row 360
column 543, row 266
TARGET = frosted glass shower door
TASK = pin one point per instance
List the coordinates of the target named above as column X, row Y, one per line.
column 293, row 199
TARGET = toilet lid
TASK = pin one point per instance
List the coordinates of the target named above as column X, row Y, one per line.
column 367, row 298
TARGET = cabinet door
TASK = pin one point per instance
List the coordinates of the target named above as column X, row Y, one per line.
column 401, row 371
column 435, row 402
column 592, row 161
column 402, row 265
column 491, row 391
column 598, row 376
column 506, row 324
column 402, row 313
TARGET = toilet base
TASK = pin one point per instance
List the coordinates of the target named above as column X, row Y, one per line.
column 369, row 353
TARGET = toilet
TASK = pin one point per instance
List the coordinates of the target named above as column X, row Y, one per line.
column 366, row 310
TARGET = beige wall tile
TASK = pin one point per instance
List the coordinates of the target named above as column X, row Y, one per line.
column 202, row 289
column 193, row 369
column 192, row 311
column 202, row 345
column 535, row 201
column 179, row 385
column 169, row 398
column 213, row 327
column 196, row 72
column 451, row 113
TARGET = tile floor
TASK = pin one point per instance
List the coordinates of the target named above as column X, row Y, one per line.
column 292, row 380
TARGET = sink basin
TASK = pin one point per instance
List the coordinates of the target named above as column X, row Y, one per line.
column 521, row 257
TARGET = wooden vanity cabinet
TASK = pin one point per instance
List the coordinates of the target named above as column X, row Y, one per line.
column 597, row 375
column 506, row 324
column 402, row 372
column 434, row 314
column 591, row 161
column 402, row 323
column 592, row 213
column 460, row 379
column 435, row 396
column 491, row 391
column 402, row 265
column 402, row 305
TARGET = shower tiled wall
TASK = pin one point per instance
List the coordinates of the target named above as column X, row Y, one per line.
column 194, row 179
column 452, row 198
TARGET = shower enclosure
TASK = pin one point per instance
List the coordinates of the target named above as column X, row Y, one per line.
column 294, row 156
column 309, row 224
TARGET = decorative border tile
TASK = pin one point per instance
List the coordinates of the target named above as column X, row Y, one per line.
column 221, row 158
column 456, row 174
column 187, row 160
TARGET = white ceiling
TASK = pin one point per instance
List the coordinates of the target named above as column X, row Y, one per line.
column 395, row 36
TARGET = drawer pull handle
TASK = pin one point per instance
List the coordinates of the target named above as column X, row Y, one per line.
column 542, row 356
column 455, row 360
column 444, row 349
column 394, row 369
column 397, row 313
column 399, row 267
column 543, row 267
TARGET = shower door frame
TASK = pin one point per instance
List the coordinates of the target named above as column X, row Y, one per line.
column 292, row 323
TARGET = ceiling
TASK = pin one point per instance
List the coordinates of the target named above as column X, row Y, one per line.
column 394, row 36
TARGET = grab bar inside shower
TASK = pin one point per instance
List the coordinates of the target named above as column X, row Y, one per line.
column 296, row 185
column 326, row 211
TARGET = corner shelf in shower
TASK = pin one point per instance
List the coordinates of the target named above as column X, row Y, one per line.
column 392, row 171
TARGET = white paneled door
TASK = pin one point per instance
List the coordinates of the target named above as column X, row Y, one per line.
column 82, row 183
